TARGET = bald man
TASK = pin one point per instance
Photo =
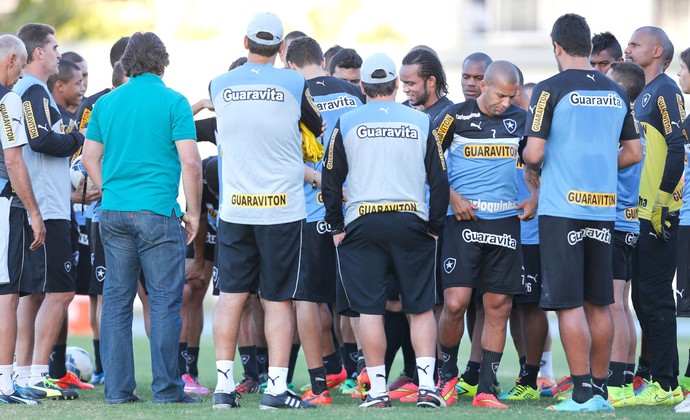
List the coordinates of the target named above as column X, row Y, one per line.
column 481, row 248
column 473, row 69
column 660, row 110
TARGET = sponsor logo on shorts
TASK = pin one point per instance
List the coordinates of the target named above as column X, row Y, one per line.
column 539, row 111
column 665, row 118
column 386, row 207
column 610, row 100
column 7, row 123
column 585, row 198
column 342, row 101
column 631, row 239
column 630, row 213
column 83, row 239
column 100, row 273
column 30, row 120
column 494, row 206
column 402, row 132
column 75, row 257
column 210, row 238
column 93, row 257
column 322, row 227
column 68, row 266
column 268, row 94
column 449, row 265
column 489, row 151
column 465, row 117
column 214, row 276
column 505, row 240
column 601, row 235
column 259, row 200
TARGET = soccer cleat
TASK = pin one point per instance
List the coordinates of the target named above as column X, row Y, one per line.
column 545, row 383
column 47, row 389
column 399, row 381
column 98, row 378
column 621, row 396
column 487, row 400
column 382, row 401
column 448, row 389
column 192, row 387
column 17, row 398
column 569, row 405
column 363, row 384
column 248, row 385
column 347, row 387
column 678, row 395
column 563, row 385
column 71, row 381
column 403, row 391
column 639, row 384
column 430, row 399
column 653, row 394
column 323, row 398
column 286, row 400
column 464, row 389
column 683, row 407
column 225, row 400
column 335, row 379
column 520, row 392
column 684, row 382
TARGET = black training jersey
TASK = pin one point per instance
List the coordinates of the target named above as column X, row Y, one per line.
column 84, row 111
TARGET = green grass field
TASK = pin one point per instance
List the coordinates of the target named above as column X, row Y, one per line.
column 91, row 404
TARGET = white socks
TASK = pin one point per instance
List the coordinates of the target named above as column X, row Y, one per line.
column 425, row 372
column 377, row 376
column 277, row 380
column 226, row 381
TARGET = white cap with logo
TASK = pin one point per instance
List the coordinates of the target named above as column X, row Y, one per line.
column 268, row 23
column 377, row 62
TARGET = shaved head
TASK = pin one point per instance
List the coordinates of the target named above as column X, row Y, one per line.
column 503, row 71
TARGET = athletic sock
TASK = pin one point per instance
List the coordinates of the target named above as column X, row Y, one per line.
column 471, row 375
column 226, row 382
column 181, row 359
column 262, row 359
column 56, row 365
column 97, row 357
column 361, row 363
column 425, row 372
column 528, row 376
column 687, row 369
column 277, row 380
column 582, row 388
column 629, row 373
column 21, row 375
column 6, row 385
column 522, row 361
column 38, row 372
column 248, row 358
column 193, row 361
column 332, row 364
column 599, row 387
column 616, row 374
column 546, row 365
column 350, row 359
column 294, row 352
column 487, row 371
column 317, row 376
column 377, row 376
column 449, row 368
column 643, row 369
column 664, row 382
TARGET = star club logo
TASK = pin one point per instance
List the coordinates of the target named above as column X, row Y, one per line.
column 100, row 273
column 645, row 99
column 510, row 125
column 449, row 265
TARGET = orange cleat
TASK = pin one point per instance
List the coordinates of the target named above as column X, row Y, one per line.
column 70, row 381
column 323, row 398
column 403, row 391
column 487, row 400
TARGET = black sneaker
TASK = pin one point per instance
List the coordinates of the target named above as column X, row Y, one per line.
column 427, row 398
column 284, row 400
column 17, row 398
column 188, row 399
column 224, row 400
column 382, row 401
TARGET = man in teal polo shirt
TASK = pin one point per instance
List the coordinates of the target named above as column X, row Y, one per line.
column 144, row 133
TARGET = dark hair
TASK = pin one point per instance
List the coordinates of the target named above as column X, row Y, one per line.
column 630, row 76
column 347, row 58
column 685, row 56
column 478, row 57
column 605, row 41
column 572, row 33
column 73, row 57
column 328, row 55
column 145, row 53
column 239, row 62
column 118, row 75
column 261, row 49
column 211, row 174
column 374, row 90
column 65, row 73
column 34, row 35
column 117, row 50
column 529, row 85
column 294, row 35
column 428, row 65
column 304, row 51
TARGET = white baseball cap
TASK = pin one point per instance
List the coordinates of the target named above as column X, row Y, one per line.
column 378, row 62
column 268, row 23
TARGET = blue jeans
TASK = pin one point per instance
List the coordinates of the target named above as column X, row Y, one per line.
column 136, row 242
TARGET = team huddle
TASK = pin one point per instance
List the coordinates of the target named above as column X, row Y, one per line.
column 335, row 219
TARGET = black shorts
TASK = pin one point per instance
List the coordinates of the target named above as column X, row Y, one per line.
column 263, row 256
column 484, row 254
column 576, row 259
column 209, row 246
column 683, row 272
column 393, row 291
column 623, row 245
column 317, row 272
column 17, row 278
column 82, row 259
column 531, row 276
column 378, row 244
column 52, row 265
column 98, row 270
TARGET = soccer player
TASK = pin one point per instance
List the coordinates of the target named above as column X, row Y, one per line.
column 47, row 160
column 625, row 235
column 473, row 69
column 424, row 82
column 16, row 200
column 83, row 68
column 317, row 288
column 606, row 50
column 481, row 247
column 261, row 205
column 67, row 89
column 660, row 110
column 140, row 220
column 346, row 65
column 577, row 120
column 328, row 56
column 393, row 144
